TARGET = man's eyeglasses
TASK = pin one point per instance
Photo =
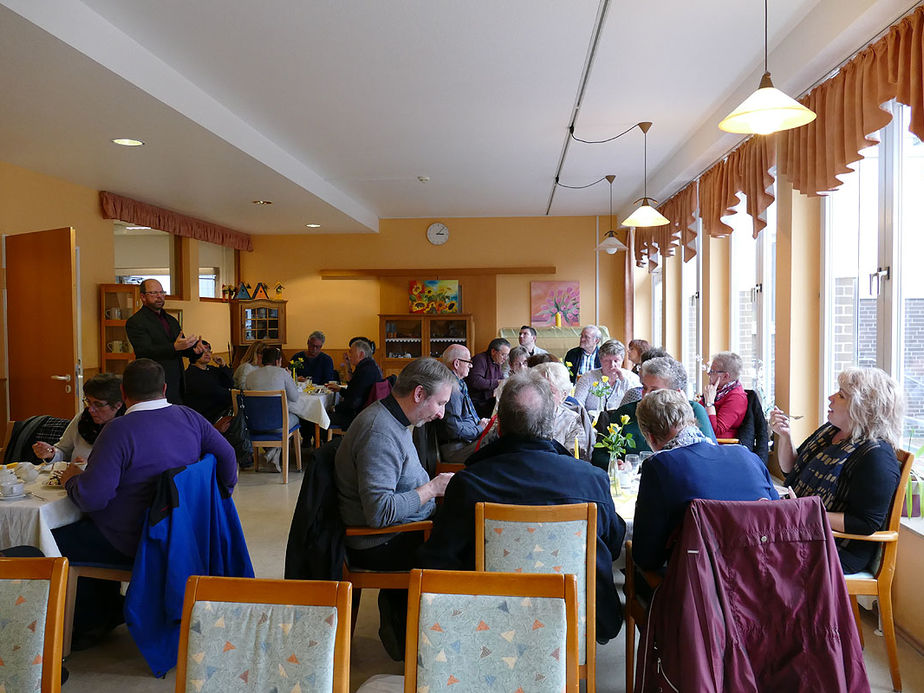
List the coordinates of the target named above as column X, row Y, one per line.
column 465, row 361
column 95, row 404
column 154, row 293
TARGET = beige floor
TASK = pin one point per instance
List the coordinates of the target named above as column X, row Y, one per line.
column 265, row 507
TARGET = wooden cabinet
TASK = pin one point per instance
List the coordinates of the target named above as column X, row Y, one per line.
column 406, row 337
column 117, row 303
column 252, row 321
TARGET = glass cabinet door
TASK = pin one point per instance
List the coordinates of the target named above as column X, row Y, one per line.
column 403, row 339
column 446, row 331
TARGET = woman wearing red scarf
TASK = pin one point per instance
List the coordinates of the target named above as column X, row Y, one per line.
column 723, row 396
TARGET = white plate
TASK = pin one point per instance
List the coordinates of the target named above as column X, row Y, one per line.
column 19, row 497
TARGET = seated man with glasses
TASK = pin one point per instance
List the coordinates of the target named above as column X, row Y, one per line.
column 157, row 335
column 460, row 427
column 103, row 402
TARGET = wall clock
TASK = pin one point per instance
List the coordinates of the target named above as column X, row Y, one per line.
column 437, row 233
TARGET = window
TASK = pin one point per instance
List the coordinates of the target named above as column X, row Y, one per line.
column 691, row 319
column 216, row 268
column 753, row 327
column 143, row 253
column 873, row 291
column 657, row 307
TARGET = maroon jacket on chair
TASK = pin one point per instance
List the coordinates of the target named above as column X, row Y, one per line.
column 753, row 600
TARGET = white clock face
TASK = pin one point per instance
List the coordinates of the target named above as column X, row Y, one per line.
column 437, row 233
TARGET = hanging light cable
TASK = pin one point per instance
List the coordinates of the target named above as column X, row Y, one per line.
column 767, row 110
column 646, row 214
column 610, row 243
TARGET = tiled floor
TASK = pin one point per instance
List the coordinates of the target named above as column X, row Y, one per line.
column 265, row 507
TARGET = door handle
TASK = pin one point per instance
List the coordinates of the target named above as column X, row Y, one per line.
column 65, row 378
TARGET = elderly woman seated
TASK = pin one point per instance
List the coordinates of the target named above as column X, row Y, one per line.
column 572, row 422
column 850, row 461
column 686, row 465
column 603, row 388
column 724, row 397
column 661, row 373
column 102, row 397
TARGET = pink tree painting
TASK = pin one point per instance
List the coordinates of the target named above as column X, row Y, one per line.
column 549, row 298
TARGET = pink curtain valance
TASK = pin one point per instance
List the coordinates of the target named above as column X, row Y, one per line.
column 126, row 209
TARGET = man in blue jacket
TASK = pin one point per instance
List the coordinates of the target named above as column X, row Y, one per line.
column 525, row 467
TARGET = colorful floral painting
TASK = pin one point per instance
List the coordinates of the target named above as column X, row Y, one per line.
column 549, row 298
column 435, row 296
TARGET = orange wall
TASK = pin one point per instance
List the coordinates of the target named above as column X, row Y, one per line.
column 345, row 308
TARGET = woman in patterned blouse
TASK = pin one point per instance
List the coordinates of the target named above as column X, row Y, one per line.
column 850, row 461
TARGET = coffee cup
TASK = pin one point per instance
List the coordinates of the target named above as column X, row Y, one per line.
column 27, row 472
column 7, row 476
column 12, row 488
column 114, row 313
column 115, row 346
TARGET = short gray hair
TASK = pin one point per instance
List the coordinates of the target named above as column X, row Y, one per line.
column 428, row 373
column 595, row 330
column 557, row 375
column 526, row 406
column 453, row 352
column 613, row 347
column 317, row 334
column 729, row 362
column 876, row 404
column 363, row 346
column 663, row 413
column 667, row 369
column 517, row 352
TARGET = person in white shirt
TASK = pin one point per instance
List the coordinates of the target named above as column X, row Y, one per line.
column 528, row 341
column 618, row 379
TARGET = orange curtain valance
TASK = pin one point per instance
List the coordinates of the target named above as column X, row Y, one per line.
column 849, row 110
column 125, row 209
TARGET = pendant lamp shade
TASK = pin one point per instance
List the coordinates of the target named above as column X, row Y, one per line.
column 766, row 111
column 645, row 215
column 610, row 243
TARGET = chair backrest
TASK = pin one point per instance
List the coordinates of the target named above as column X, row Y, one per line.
column 905, row 460
column 380, row 390
column 264, row 410
column 270, row 634
column 32, row 592
column 497, row 631
column 544, row 539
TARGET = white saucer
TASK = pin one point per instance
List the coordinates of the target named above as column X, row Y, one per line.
column 19, row 497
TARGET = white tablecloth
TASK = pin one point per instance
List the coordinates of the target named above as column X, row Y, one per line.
column 313, row 408
column 30, row 520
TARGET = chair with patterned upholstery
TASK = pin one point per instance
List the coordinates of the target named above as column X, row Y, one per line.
column 264, row 635
column 266, row 413
column 32, row 623
column 491, row 631
column 546, row 539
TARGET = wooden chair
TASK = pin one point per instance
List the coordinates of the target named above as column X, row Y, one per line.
column 434, row 597
column 99, row 572
column 570, row 531
column 636, row 611
column 269, row 633
column 879, row 582
column 268, row 424
column 32, row 591
column 361, row 578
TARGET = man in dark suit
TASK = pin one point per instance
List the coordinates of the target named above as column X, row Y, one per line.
column 156, row 335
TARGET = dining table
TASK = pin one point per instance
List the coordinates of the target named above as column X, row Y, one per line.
column 314, row 404
column 29, row 520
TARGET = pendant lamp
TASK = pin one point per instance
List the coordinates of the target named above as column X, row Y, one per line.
column 646, row 214
column 767, row 110
column 610, row 243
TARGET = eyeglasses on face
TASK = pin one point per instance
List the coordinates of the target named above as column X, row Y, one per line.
column 154, row 293
column 712, row 371
column 465, row 361
column 95, row 404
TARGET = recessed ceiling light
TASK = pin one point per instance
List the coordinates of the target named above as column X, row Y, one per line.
column 127, row 142
column 313, row 226
column 263, row 202
column 423, row 179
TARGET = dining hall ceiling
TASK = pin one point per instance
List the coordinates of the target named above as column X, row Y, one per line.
column 335, row 110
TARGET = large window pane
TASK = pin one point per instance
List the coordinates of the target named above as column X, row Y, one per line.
column 689, row 280
column 745, row 297
column 911, row 282
column 142, row 253
column 852, row 216
column 216, row 267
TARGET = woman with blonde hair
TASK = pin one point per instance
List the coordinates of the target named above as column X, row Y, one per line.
column 250, row 361
column 850, row 461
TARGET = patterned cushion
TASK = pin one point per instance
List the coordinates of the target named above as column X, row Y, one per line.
column 260, row 647
column 491, row 642
column 541, row 547
column 23, row 608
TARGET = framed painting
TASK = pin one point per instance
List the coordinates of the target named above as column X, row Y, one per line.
column 434, row 296
column 550, row 298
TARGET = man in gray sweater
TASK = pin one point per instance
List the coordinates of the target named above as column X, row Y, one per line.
column 380, row 482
